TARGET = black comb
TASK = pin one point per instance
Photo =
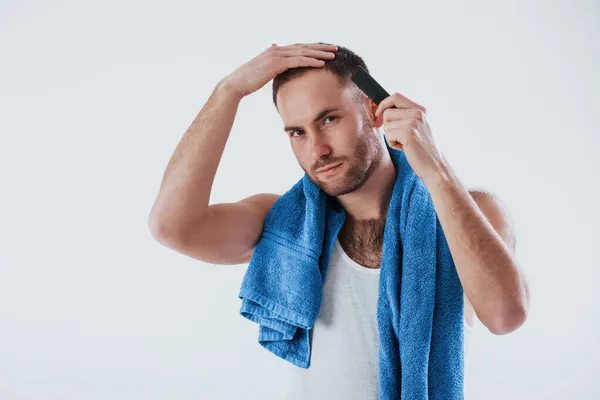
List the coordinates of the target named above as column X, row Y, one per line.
column 368, row 85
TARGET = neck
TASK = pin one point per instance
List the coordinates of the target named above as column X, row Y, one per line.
column 372, row 199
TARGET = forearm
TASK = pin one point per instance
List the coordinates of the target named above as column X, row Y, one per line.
column 488, row 269
column 185, row 189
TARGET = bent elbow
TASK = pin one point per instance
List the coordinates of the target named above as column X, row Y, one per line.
column 510, row 321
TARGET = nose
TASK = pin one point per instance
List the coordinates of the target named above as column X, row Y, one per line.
column 319, row 146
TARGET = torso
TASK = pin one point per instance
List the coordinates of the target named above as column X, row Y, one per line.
column 362, row 240
column 344, row 341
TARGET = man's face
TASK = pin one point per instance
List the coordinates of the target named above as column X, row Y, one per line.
column 321, row 138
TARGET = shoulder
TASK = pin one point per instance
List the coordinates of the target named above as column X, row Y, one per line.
column 261, row 200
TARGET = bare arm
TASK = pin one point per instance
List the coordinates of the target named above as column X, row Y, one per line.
column 229, row 231
column 185, row 190
column 481, row 239
column 181, row 217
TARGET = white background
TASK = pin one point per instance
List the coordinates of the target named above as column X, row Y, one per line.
column 94, row 98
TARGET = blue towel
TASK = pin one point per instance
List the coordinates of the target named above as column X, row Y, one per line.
column 420, row 303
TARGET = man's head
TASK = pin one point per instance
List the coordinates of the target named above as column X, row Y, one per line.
column 320, row 138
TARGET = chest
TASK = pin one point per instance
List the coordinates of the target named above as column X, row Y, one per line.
column 363, row 241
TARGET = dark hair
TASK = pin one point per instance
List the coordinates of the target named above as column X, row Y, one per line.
column 343, row 65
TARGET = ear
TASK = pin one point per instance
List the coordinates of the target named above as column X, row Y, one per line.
column 377, row 122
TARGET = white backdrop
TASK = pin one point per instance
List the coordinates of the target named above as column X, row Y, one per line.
column 94, row 98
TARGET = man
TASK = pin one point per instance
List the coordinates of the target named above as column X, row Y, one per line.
column 334, row 131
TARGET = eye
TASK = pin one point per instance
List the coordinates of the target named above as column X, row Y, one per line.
column 331, row 116
column 292, row 132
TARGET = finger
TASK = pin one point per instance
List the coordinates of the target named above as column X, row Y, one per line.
column 394, row 140
column 392, row 114
column 294, row 62
column 316, row 46
column 397, row 100
column 323, row 46
column 394, row 144
column 390, row 102
column 398, row 125
column 397, row 135
column 309, row 53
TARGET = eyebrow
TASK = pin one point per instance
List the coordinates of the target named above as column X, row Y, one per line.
column 319, row 116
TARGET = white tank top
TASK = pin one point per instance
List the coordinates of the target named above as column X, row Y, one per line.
column 344, row 361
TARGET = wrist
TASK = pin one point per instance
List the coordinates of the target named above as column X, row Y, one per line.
column 442, row 174
column 227, row 88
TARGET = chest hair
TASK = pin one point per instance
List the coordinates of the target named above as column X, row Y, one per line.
column 362, row 240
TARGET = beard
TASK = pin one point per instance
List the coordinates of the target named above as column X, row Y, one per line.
column 366, row 156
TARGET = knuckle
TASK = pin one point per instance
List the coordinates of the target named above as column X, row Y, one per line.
column 271, row 54
column 386, row 115
column 271, row 57
column 292, row 62
column 277, row 62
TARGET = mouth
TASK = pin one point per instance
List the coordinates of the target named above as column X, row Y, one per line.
column 329, row 170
